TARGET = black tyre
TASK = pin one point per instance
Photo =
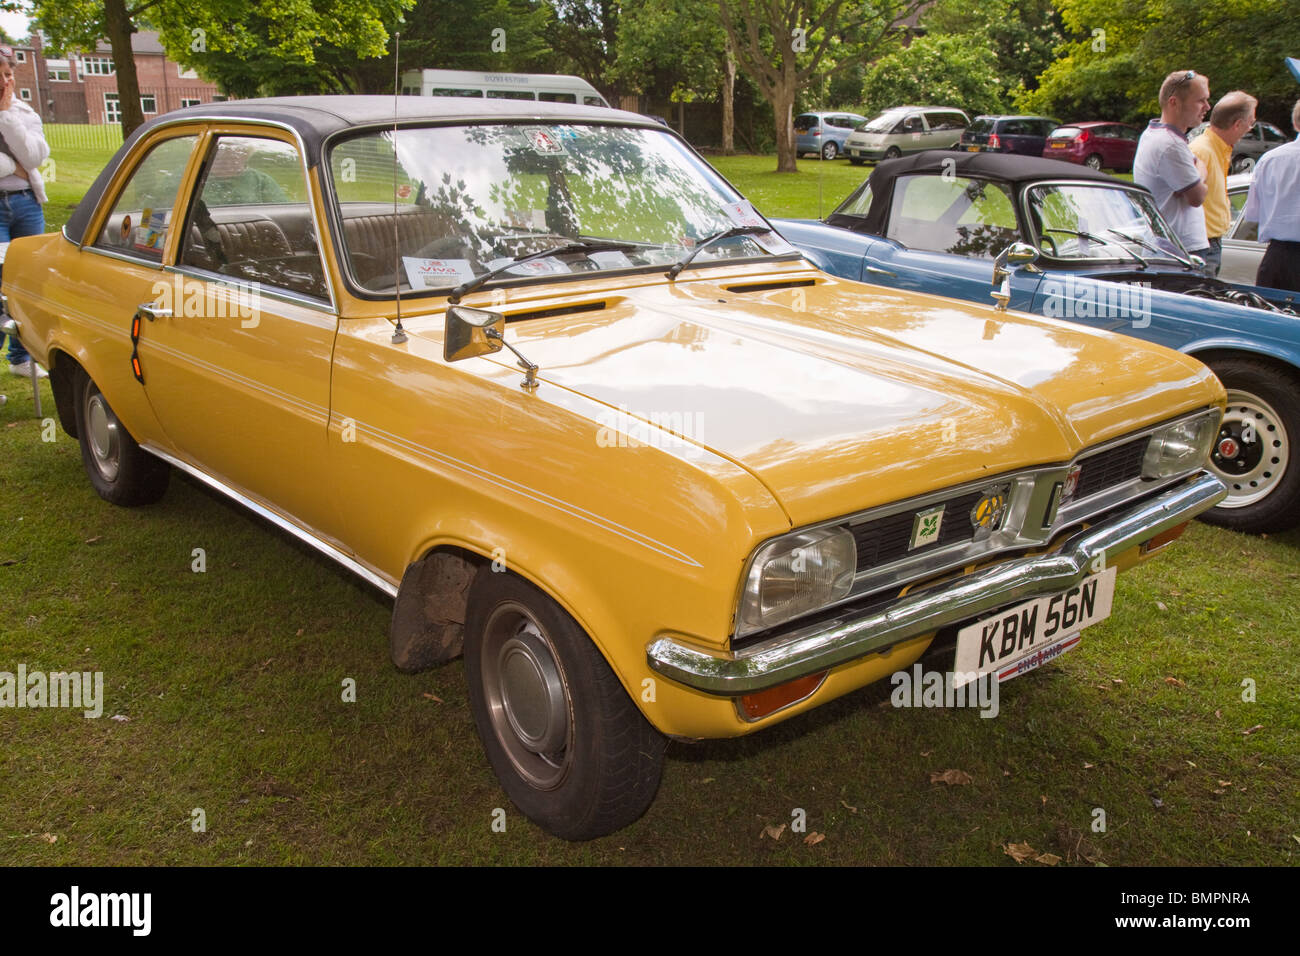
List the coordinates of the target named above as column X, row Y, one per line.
column 856, row 161
column 568, row 745
column 1255, row 451
column 893, row 153
column 1242, row 164
column 118, row 469
column 1093, row 161
column 830, row 150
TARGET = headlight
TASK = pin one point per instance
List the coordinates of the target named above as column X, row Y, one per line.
column 795, row 574
column 1180, row 447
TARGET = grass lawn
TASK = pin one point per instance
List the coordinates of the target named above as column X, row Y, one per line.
column 224, row 695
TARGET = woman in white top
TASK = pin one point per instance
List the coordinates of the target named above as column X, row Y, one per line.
column 22, row 193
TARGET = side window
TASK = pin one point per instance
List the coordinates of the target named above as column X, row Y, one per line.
column 959, row 216
column 141, row 216
column 251, row 220
column 913, row 124
column 1271, row 133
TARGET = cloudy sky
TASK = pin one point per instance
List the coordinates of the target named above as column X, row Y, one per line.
column 15, row 24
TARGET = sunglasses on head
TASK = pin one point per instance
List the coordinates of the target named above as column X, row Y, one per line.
column 6, row 51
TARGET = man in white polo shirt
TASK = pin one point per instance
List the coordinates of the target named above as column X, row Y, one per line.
column 1274, row 202
column 1165, row 165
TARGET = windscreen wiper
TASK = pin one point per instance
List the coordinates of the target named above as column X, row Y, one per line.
column 584, row 245
column 1156, row 249
column 1102, row 240
column 725, row 234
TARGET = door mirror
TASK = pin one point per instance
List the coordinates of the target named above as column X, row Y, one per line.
column 471, row 332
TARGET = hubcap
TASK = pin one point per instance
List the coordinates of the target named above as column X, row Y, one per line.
column 103, row 438
column 527, row 698
column 1252, row 451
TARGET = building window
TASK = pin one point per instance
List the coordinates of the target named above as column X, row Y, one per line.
column 58, row 71
column 186, row 101
column 25, row 94
column 97, row 66
column 219, row 98
column 20, row 56
column 185, row 74
column 148, row 104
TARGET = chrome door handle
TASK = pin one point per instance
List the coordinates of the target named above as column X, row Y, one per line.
column 874, row 270
column 153, row 312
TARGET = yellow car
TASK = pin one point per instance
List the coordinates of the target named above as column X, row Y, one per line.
column 538, row 372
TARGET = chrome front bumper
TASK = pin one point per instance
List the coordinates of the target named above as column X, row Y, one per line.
column 854, row 635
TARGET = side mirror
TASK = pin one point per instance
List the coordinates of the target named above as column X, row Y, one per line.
column 469, row 333
column 1016, row 254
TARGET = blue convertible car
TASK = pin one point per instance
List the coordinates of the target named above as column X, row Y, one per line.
column 1071, row 243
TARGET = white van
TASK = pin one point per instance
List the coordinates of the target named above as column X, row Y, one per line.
column 549, row 88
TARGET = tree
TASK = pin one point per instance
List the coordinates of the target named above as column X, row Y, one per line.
column 1023, row 34
column 188, row 28
column 780, row 45
column 585, row 34
column 1117, row 55
column 951, row 70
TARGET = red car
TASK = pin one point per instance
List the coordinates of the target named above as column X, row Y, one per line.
column 1099, row 145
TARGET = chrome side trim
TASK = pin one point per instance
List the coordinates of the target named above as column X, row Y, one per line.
column 854, row 635
column 363, row 571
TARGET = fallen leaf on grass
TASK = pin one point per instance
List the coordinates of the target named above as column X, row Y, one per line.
column 1221, row 790
column 1050, row 859
column 1161, row 605
column 1296, row 838
column 1251, row 730
column 299, row 633
column 122, row 717
column 98, row 537
column 8, row 561
column 1087, row 766
column 926, row 753
column 49, row 838
column 1116, row 680
column 1019, row 851
column 773, row 832
column 434, row 697
column 1174, row 681
column 848, row 808
column 1157, row 802
column 1225, row 783
column 1219, row 714
column 814, row 838
column 950, row 777
column 705, row 780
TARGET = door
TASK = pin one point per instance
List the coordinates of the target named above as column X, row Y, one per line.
column 237, row 363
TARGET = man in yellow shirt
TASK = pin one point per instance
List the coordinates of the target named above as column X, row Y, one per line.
column 1232, row 117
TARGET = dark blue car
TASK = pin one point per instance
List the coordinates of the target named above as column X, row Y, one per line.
column 1076, row 244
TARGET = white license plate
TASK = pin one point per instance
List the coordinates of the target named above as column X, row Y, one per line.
column 1022, row 638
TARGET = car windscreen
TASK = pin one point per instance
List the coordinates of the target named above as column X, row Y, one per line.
column 432, row 207
column 881, row 124
column 1096, row 221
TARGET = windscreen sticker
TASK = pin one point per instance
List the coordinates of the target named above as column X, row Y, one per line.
column 436, row 273
column 544, row 141
column 610, row 259
column 152, row 232
column 743, row 213
column 537, row 267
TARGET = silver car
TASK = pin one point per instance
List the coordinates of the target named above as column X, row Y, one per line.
column 1242, row 249
column 906, row 129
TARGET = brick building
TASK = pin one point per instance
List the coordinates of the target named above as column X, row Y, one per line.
column 82, row 87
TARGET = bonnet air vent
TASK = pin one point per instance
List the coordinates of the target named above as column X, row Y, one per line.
column 769, row 286
column 552, row 313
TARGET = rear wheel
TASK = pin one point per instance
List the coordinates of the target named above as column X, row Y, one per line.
column 1255, row 451
column 569, row 747
column 1093, row 161
column 1242, row 164
column 118, row 468
column 830, row 150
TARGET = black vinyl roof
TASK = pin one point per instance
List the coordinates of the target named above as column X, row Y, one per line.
column 315, row 118
column 1003, row 167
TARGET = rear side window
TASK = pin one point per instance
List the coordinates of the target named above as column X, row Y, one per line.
column 805, row 122
column 945, row 121
column 142, row 214
column 982, row 124
column 557, row 97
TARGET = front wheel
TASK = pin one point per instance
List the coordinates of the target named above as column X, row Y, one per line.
column 569, row 747
column 1242, row 164
column 893, row 153
column 830, row 150
column 1253, row 452
column 118, row 468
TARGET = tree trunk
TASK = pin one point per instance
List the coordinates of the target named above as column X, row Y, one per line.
column 783, row 107
column 728, row 102
column 119, row 28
